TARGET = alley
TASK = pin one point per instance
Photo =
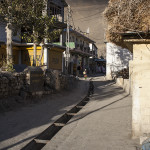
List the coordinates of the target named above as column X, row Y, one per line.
column 20, row 126
column 103, row 124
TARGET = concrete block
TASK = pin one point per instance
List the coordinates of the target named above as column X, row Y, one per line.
column 126, row 86
column 120, row 82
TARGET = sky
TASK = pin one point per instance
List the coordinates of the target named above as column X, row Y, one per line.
column 89, row 14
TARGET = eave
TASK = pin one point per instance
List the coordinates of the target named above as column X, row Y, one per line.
column 59, row 25
column 137, row 41
column 80, row 35
column 136, row 35
column 48, row 45
column 74, row 51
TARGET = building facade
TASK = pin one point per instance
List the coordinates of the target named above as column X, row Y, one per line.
column 51, row 56
column 139, row 82
column 81, row 49
column 117, row 58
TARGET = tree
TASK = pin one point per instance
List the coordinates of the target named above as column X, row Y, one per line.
column 29, row 16
column 126, row 15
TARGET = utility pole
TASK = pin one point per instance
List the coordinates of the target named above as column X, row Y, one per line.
column 34, row 44
column 68, row 38
column 44, row 13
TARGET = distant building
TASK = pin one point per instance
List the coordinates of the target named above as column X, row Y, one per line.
column 81, row 48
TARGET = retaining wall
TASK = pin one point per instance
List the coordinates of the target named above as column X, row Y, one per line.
column 125, row 84
column 11, row 84
column 17, row 84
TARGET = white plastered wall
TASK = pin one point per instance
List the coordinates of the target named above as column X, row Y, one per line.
column 117, row 59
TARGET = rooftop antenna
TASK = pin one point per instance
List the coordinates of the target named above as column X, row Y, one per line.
column 88, row 31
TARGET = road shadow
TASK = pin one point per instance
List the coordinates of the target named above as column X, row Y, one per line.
column 48, row 110
column 40, row 112
column 96, row 110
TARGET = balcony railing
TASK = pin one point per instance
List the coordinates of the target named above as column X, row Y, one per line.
column 57, row 43
column 72, row 45
column 58, row 18
column 81, row 47
column 88, row 49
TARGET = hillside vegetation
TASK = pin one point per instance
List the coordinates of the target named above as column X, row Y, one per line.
column 127, row 16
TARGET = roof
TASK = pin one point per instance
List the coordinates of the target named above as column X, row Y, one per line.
column 65, row 3
column 100, row 60
column 56, row 2
column 95, row 45
column 31, row 44
column 136, row 37
column 80, row 35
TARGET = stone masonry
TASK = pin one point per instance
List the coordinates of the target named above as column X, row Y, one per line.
column 17, row 84
column 11, row 83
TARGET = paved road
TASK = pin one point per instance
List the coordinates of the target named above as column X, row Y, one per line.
column 103, row 124
column 20, row 126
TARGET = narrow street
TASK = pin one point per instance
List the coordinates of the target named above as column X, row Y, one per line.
column 19, row 127
column 104, row 123
column 74, row 75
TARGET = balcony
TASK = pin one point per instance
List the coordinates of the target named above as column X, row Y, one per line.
column 72, row 45
column 88, row 49
column 84, row 49
column 57, row 43
column 81, row 47
column 58, row 18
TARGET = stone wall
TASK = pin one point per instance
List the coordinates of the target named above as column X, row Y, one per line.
column 68, row 82
column 55, row 80
column 17, row 84
column 11, row 84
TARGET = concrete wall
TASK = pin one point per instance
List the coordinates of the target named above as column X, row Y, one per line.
column 117, row 59
column 140, row 77
column 125, row 84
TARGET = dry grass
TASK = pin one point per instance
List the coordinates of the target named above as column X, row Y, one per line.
column 127, row 15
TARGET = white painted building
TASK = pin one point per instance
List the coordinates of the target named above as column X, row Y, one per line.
column 93, row 50
column 117, row 58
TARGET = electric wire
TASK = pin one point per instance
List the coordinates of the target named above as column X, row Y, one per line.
column 78, row 29
column 88, row 16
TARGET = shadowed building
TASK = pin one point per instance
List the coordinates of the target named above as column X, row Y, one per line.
column 51, row 57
